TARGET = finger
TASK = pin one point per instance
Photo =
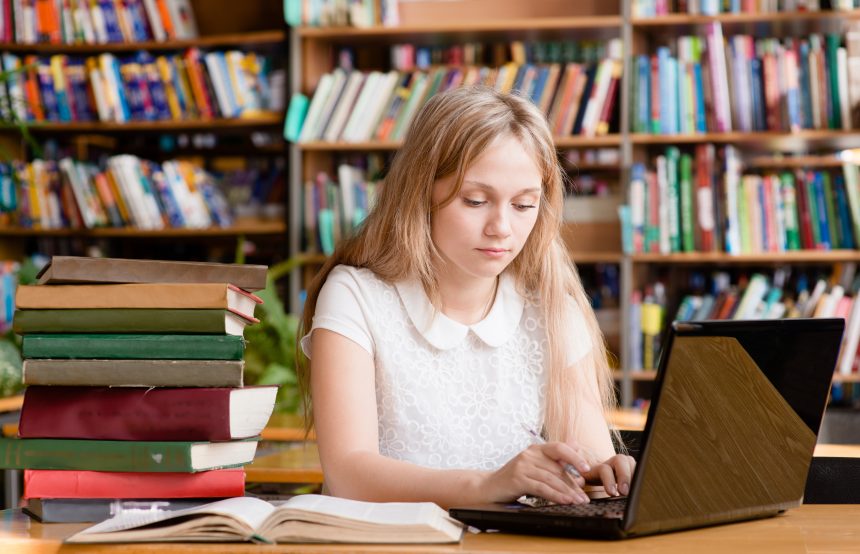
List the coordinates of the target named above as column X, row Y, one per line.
column 624, row 475
column 546, row 487
column 606, row 474
column 558, row 481
column 564, row 453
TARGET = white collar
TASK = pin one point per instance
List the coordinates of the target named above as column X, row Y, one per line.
column 444, row 333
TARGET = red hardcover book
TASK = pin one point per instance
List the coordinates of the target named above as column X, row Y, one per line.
column 53, row 483
column 705, row 198
column 142, row 414
column 804, row 220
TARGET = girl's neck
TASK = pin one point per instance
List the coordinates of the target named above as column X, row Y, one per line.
column 468, row 302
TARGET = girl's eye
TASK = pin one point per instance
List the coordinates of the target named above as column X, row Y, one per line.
column 474, row 203
column 524, row 207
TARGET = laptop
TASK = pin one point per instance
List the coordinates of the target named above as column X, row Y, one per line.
column 730, row 434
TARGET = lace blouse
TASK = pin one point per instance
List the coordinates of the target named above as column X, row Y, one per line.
column 448, row 395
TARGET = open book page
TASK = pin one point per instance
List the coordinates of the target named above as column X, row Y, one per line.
column 312, row 517
column 225, row 520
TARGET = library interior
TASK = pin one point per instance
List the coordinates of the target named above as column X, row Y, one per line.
column 174, row 174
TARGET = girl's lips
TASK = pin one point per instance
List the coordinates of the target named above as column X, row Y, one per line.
column 493, row 252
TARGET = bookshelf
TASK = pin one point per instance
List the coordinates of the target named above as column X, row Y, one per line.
column 251, row 26
column 591, row 244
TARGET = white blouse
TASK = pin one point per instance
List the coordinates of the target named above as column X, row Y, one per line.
column 448, row 395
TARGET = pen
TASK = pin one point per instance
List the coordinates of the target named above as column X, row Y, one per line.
column 539, row 440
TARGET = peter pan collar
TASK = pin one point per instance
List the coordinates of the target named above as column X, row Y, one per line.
column 444, row 333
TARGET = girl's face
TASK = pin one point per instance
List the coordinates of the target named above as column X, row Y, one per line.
column 486, row 225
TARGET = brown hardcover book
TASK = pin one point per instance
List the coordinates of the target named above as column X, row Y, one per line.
column 134, row 373
column 220, row 296
column 82, row 269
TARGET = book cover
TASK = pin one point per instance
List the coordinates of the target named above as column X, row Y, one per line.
column 303, row 518
column 122, row 413
column 83, row 269
column 220, row 296
column 125, row 456
column 134, row 373
column 116, row 320
column 133, row 346
column 49, row 483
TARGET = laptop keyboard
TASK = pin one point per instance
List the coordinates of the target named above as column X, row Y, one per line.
column 612, row 508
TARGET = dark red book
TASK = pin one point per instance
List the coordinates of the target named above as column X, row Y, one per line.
column 49, row 483
column 145, row 414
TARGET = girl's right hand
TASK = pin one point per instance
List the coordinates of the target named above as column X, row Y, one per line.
column 539, row 470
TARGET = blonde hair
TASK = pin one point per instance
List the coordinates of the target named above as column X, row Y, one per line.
column 447, row 136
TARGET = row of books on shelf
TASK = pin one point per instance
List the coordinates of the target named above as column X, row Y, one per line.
column 125, row 192
column 741, row 83
column 755, row 296
column 135, row 381
column 408, row 56
column 339, row 13
column 95, row 21
column 333, row 208
column 655, row 8
column 138, row 87
column 705, row 202
column 355, row 106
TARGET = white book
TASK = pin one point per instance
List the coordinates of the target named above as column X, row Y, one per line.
column 752, row 297
column 315, row 110
column 845, row 102
column 344, row 106
column 182, row 17
column 132, row 195
column 83, row 21
column 154, row 19
column 350, row 132
column 384, row 89
column 339, row 78
column 827, row 306
column 66, row 165
column 811, row 304
column 220, row 82
column 194, row 208
column 303, row 518
column 97, row 85
column 112, row 86
column 99, row 27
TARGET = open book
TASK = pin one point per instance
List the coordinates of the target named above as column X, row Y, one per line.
column 304, row 518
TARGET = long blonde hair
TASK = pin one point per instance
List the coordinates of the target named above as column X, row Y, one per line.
column 448, row 134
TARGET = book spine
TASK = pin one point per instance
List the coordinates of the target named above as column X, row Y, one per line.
column 105, row 413
column 95, row 455
column 102, row 484
column 120, row 321
column 135, row 347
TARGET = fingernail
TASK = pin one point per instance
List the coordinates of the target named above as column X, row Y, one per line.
column 585, row 499
column 625, row 488
column 568, row 500
column 614, row 490
column 584, row 467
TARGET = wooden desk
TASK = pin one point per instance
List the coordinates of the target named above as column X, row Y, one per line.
column 300, row 464
column 807, row 530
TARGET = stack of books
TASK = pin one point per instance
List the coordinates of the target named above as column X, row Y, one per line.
column 134, row 384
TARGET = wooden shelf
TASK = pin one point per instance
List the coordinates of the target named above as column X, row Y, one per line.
column 600, row 257
column 241, row 227
column 274, row 37
column 547, row 27
column 560, row 142
column 762, row 141
column 792, row 162
column 272, row 119
column 793, row 257
column 759, row 24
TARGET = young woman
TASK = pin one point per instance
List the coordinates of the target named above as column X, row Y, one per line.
column 454, row 323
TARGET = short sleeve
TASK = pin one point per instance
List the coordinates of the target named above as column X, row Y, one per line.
column 341, row 308
column 578, row 340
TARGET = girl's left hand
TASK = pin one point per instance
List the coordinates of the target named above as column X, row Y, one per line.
column 614, row 474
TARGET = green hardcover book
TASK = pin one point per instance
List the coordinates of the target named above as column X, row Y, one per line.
column 832, row 42
column 688, row 239
column 136, row 456
column 672, row 158
column 166, row 321
column 133, row 373
column 830, row 208
column 789, row 203
column 113, row 346
column 812, row 204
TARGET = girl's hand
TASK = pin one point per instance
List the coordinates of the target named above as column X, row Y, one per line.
column 614, row 474
column 539, row 470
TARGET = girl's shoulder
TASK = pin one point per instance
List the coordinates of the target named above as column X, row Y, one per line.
column 360, row 280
